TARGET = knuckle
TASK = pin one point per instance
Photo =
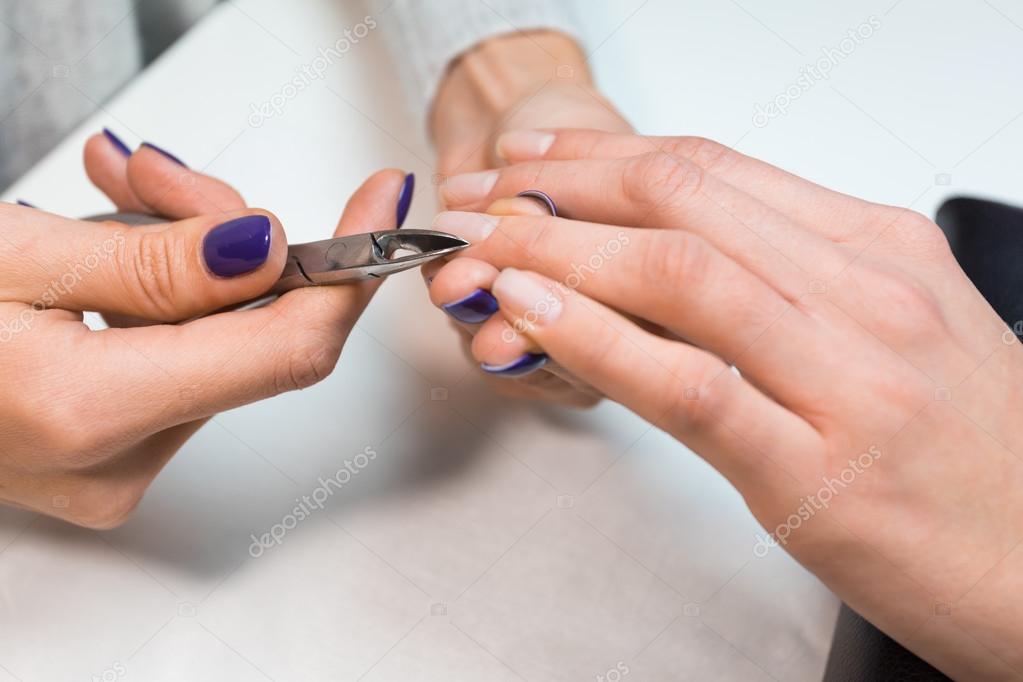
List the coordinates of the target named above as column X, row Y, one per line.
column 918, row 236
column 707, row 154
column 151, row 270
column 672, row 259
column 58, row 429
column 658, row 179
column 911, row 310
column 693, row 401
column 309, row 360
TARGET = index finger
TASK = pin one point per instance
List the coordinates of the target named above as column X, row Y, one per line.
column 831, row 213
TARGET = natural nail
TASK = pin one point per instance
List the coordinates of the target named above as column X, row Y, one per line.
column 165, row 153
column 472, row 227
column 468, row 187
column 237, row 246
column 117, row 142
column 525, row 296
column 524, row 144
column 405, row 198
column 475, row 308
column 521, row 366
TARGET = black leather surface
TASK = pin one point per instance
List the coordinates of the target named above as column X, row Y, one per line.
column 987, row 240
column 862, row 653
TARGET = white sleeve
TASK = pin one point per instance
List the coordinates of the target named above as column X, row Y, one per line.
column 425, row 35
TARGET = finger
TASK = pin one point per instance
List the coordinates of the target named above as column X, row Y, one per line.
column 672, row 278
column 657, row 190
column 106, row 163
column 461, row 289
column 169, row 188
column 833, row 214
column 181, row 373
column 688, row 392
column 165, row 272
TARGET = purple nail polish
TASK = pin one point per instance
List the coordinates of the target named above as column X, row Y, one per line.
column 237, row 246
column 166, row 153
column 541, row 196
column 118, row 143
column 475, row 308
column 521, row 366
column 22, row 202
column 405, row 198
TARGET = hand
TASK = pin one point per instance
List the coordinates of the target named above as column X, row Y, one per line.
column 510, row 362
column 538, row 79
column 874, row 428
column 90, row 417
column 510, row 82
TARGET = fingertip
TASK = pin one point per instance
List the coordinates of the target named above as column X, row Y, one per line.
column 373, row 205
column 459, row 279
column 497, row 344
column 107, row 169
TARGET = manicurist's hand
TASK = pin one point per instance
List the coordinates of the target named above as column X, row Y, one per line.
column 90, row 417
column 873, row 424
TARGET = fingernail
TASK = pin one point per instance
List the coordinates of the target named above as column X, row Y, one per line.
column 525, row 296
column 405, row 198
column 165, row 153
column 475, row 308
column 472, row 227
column 521, row 366
column 22, row 202
column 468, row 187
column 237, row 246
column 524, row 144
column 118, row 143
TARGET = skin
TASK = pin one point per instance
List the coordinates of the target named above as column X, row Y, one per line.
column 512, row 81
column 873, row 425
column 90, row 418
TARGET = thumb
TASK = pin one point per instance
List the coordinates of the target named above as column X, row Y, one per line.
column 165, row 272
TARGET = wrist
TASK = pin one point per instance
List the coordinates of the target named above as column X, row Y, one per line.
column 493, row 76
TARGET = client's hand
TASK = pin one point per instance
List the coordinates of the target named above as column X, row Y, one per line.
column 873, row 426
column 522, row 80
column 514, row 81
column 89, row 418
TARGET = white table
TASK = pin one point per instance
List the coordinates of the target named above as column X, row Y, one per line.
column 488, row 540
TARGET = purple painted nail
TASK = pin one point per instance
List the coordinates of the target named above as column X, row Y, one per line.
column 237, row 246
column 405, row 198
column 475, row 308
column 22, row 202
column 521, row 366
column 541, row 196
column 118, row 143
column 165, row 153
